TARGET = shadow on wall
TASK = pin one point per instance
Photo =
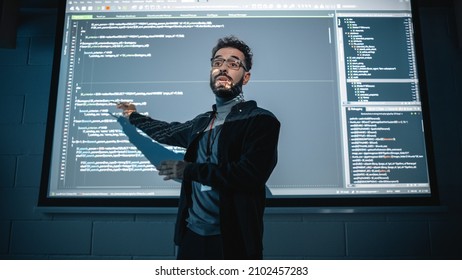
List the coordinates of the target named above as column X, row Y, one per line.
column 154, row 152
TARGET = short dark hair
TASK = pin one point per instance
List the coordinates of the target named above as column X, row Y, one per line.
column 234, row 42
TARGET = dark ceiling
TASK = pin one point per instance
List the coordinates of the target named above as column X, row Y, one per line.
column 39, row 3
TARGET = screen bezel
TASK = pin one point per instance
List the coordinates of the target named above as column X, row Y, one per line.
column 290, row 202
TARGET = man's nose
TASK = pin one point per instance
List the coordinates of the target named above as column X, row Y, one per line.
column 224, row 67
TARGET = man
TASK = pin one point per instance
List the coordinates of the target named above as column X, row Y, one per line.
column 230, row 154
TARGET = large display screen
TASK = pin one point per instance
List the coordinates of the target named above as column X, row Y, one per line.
column 342, row 76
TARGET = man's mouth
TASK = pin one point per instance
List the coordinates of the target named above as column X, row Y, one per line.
column 223, row 82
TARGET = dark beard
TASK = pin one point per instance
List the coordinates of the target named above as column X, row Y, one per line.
column 226, row 94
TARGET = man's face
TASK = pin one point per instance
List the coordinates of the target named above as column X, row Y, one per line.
column 226, row 80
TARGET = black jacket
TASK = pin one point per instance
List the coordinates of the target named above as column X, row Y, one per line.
column 247, row 154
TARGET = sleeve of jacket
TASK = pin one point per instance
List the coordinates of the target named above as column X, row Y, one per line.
column 173, row 133
column 254, row 165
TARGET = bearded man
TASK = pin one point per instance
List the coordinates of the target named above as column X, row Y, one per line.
column 231, row 152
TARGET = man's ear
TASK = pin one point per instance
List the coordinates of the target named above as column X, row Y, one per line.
column 246, row 78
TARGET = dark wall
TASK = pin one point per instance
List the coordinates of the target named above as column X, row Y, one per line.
column 26, row 233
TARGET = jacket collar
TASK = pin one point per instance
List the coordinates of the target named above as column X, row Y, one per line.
column 239, row 106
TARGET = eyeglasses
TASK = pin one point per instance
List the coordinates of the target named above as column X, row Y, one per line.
column 232, row 63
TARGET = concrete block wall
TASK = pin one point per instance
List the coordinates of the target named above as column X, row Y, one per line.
column 26, row 233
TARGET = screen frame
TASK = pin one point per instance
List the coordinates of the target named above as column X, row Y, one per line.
column 285, row 202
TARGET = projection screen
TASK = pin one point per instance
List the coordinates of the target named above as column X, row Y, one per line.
column 343, row 77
